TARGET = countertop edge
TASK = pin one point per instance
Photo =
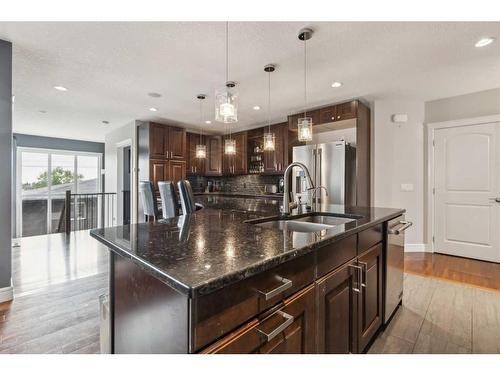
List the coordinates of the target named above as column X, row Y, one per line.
column 207, row 287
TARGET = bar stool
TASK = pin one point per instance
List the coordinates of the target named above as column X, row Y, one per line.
column 187, row 198
column 169, row 202
column 148, row 200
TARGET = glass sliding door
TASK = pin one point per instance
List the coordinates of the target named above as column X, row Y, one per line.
column 44, row 177
column 34, row 192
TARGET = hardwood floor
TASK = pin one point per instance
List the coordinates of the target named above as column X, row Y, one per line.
column 455, row 269
column 57, row 283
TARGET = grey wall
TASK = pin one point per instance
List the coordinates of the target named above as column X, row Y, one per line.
column 477, row 104
column 6, row 158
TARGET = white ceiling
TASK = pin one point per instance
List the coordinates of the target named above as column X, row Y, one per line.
column 109, row 68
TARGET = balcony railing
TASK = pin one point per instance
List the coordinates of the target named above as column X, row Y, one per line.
column 87, row 211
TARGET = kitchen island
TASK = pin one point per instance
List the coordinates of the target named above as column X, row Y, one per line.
column 217, row 281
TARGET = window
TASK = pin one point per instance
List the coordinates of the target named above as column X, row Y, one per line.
column 43, row 177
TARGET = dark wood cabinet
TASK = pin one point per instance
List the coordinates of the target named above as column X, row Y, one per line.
column 176, row 170
column 237, row 164
column 290, row 329
column 194, row 165
column 177, row 143
column 275, row 162
column 294, row 119
column 166, row 170
column 213, row 163
column 167, row 142
column 346, row 111
column 328, row 114
column 337, row 311
column 370, row 298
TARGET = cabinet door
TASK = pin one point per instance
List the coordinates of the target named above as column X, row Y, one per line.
column 327, row 114
column 293, row 120
column 177, row 170
column 347, row 110
column 191, row 153
column 227, row 164
column 158, row 171
column 158, row 135
column 177, row 143
column 289, row 330
column 240, row 159
column 213, row 166
column 337, row 311
column 370, row 298
column 281, row 147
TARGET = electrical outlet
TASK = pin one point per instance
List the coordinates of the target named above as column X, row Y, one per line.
column 407, row 187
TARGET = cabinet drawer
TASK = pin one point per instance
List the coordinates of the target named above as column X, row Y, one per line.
column 289, row 329
column 369, row 237
column 218, row 313
column 335, row 254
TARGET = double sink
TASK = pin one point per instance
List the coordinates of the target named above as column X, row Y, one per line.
column 307, row 223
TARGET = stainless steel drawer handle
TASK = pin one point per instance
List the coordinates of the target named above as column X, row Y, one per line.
column 358, row 270
column 285, row 284
column 271, row 335
column 405, row 226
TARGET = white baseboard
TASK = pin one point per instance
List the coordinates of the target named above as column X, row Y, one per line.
column 416, row 247
column 6, row 294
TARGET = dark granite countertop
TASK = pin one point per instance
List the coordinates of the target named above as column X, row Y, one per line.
column 213, row 247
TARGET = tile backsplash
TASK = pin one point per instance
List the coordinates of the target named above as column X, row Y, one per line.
column 250, row 184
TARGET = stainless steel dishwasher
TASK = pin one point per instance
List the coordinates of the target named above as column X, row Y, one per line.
column 394, row 274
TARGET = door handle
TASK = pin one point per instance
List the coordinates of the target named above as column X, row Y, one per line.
column 358, row 270
column 275, row 332
column 285, row 284
column 495, row 199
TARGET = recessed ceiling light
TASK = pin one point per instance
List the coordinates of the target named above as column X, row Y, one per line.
column 153, row 109
column 336, row 84
column 208, row 122
column 106, row 122
column 256, row 108
column 60, row 88
column 483, row 42
column 42, row 111
column 154, row 94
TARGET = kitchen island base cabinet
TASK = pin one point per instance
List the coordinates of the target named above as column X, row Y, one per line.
column 290, row 329
column 338, row 311
column 370, row 302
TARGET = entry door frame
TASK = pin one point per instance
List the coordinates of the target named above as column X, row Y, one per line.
column 431, row 128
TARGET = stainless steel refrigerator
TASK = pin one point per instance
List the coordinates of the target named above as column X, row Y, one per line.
column 332, row 165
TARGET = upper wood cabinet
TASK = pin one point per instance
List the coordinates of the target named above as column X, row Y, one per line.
column 294, row 119
column 325, row 115
column 194, row 165
column 275, row 162
column 167, row 142
column 237, row 164
column 213, row 162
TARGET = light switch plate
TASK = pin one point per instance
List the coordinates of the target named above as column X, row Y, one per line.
column 406, row 187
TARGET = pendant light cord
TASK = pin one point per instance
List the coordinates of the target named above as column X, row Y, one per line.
column 305, row 76
column 201, row 119
column 227, row 51
column 269, row 101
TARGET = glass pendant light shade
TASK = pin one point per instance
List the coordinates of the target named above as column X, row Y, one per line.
column 201, row 151
column 226, row 104
column 304, row 128
column 269, row 141
column 230, row 146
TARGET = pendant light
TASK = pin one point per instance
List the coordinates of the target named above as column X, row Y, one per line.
column 226, row 99
column 230, row 144
column 269, row 137
column 304, row 125
column 201, row 149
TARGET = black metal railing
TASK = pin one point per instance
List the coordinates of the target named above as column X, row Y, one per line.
column 87, row 211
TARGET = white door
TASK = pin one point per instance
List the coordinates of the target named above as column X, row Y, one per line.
column 467, row 182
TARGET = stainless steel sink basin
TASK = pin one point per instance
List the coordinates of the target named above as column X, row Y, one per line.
column 295, row 225
column 325, row 219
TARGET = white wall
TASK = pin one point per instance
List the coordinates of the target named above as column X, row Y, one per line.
column 398, row 158
column 113, row 141
column 477, row 104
